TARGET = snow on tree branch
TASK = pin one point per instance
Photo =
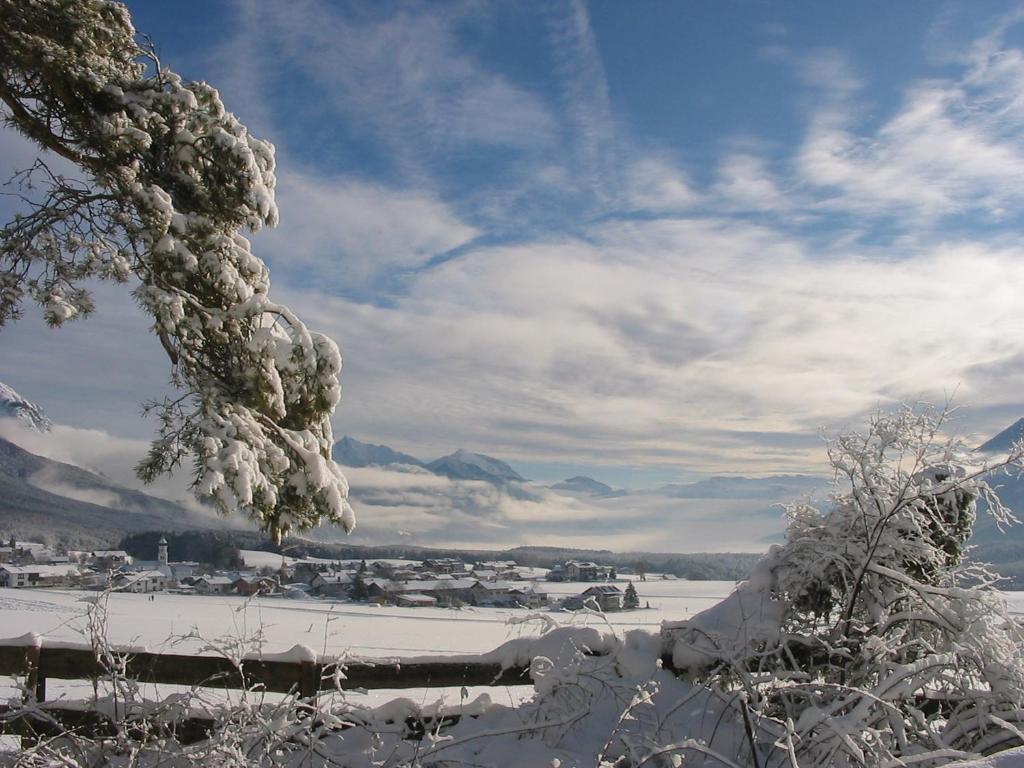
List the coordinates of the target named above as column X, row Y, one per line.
column 169, row 180
column 869, row 631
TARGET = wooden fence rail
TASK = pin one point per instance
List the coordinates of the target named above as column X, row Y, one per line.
column 306, row 678
column 36, row 664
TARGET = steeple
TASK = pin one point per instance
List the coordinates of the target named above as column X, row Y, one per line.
column 162, row 551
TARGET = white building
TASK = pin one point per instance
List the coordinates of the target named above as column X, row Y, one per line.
column 141, row 582
column 20, row 576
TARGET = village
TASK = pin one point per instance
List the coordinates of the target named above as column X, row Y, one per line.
column 440, row 582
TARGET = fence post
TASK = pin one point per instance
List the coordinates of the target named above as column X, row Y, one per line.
column 36, row 683
column 35, row 680
column 309, row 679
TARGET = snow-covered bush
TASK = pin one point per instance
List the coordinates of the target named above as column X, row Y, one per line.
column 166, row 182
column 867, row 635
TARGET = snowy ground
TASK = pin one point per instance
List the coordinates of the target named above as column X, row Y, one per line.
column 336, row 628
column 168, row 622
column 328, row 627
column 172, row 623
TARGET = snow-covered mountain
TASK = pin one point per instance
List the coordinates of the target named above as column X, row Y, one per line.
column 581, row 484
column 354, row 453
column 15, row 406
column 461, row 465
column 464, row 465
column 1002, row 442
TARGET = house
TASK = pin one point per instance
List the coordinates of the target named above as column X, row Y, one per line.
column 443, row 565
column 504, row 568
column 444, row 591
column 581, row 571
column 142, row 582
column 503, row 593
column 415, row 600
column 557, row 573
column 109, row 559
column 254, row 585
column 214, row 585
column 484, row 574
column 331, row 584
column 528, row 597
column 20, row 576
column 606, row 597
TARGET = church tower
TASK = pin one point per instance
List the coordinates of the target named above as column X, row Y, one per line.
column 162, row 552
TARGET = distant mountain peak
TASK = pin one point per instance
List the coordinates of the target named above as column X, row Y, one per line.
column 15, row 406
column 354, row 453
column 466, row 465
column 584, row 484
column 1005, row 439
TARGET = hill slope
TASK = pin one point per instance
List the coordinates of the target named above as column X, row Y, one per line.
column 354, row 453
column 40, row 497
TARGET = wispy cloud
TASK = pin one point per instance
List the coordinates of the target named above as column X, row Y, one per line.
column 744, row 183
column 432, row 510
column 657, row 185
column 953, row 147
column 744, row 329
column 587, row 105
column 351, row 234
column 403, row 76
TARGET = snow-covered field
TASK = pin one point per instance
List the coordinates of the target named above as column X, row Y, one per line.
column 328, row 627
column 172, row 621
column 187, row 623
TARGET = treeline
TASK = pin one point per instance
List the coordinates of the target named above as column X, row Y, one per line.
column 216, row 548
column 716, row 566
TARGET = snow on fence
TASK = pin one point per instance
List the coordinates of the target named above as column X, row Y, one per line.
column 295, row 671
column 299, row 672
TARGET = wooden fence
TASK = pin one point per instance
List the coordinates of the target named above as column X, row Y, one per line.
column 306, row 679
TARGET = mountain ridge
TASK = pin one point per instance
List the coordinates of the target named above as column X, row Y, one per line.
column 586, row 485
column 1004, row 441
column 466, row 465
column 355, row 453
column 42, row 496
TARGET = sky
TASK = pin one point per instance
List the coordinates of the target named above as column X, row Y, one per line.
column 641, row 242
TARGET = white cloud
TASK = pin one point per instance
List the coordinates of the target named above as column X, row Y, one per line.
column 639, row 343
column 435, row 510
column 405, row 75
column 587, row 104
column 350, row 232
column 656, row 185
column 953, row 146
column 744, row 183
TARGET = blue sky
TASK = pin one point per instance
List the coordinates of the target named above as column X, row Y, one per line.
column 643, row 242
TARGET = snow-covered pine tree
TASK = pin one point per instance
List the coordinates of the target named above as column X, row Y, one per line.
column 358, row 590
column 167, row 181
column 867, row 633
column 630, row 599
